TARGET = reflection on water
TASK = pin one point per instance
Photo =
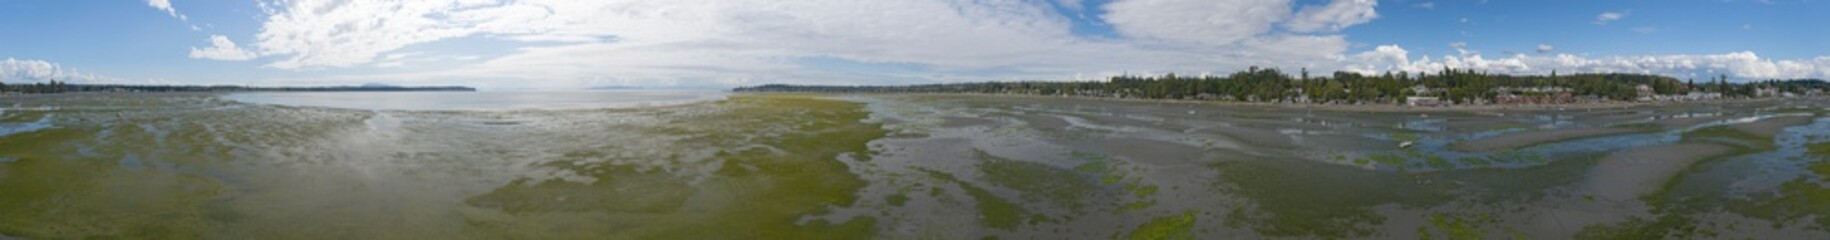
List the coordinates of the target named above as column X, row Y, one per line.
column 479, row 100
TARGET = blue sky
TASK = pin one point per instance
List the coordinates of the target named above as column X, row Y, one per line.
column 558, row 44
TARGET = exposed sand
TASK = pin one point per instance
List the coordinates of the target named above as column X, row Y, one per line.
column 959, row 122
column 1257, row 136
column 1039, row 121
column 1686, row 122
column 1772, row 126
column 1152, row 151
column 1529, row 138
column 1624, row 175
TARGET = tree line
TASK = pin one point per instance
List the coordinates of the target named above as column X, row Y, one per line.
column 1272, row 85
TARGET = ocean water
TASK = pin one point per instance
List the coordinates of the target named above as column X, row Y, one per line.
column 480, row 101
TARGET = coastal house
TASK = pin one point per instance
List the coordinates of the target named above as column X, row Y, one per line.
column 1533, row 95
column 1766, row 92
column 1415, row 101
column 1419, row 89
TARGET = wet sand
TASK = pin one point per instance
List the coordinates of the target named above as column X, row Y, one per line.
column 1625, row 175
column 1528, row 138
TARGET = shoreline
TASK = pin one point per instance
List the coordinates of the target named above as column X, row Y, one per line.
column 1345, row 107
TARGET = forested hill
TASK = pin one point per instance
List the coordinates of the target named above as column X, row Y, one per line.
column 1272, row 85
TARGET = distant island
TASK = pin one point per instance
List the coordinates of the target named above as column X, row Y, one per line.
column 63, row 87
column 1446, row 87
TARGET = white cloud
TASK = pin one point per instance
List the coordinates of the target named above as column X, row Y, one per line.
column 1382, row 58
column 1071, row 4
column 696, row 41
column 712, row 42
column 1196, row 21
column 1745, row 65
column 26, row 70
column 221, row 48
column 564, row 43
column 1461, row 48
column 1607, row 17
column 166, row 5
column 1335, row 16
column 1645, row 30
column 1425, row 5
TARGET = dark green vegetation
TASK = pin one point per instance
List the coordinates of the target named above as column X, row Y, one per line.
column 1271, row 85
column 1168, row 227
column 54, row 86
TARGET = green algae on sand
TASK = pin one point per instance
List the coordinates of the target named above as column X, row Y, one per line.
column 758, row 192
column 1167, row 227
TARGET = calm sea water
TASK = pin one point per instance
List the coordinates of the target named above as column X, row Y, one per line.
column 483, row 101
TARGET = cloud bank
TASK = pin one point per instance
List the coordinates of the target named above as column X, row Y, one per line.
column 558, row 43
column 1746, row 65
column 26, row 70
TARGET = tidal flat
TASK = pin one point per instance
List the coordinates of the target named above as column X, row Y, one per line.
column 780, row 166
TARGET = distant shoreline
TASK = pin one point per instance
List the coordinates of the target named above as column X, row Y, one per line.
column 1341, row 107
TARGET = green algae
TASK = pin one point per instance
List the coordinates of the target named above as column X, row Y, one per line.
column 1743, row 141
column 1137, row 205
column 994, row 211
column 896, row 199
column 617, row 189
column 1405, row 137
column 1802, row 198
column 1101, row 167
column 1167, row 227
column 763, row 191
column 1337, row 202
column 1037, row 182
column 49, row 195
column 1334, row 202
column 1457, row 226
column 1819, row 149
column 1676, row 204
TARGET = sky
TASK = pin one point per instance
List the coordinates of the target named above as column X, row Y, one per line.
column 570, row 44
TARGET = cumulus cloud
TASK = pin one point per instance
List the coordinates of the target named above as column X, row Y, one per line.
column 715, row 42
column 26, row 70
column 1545, row 48
column 166, row 5
column 1745, row 65
column 1196, row 21
column 741, row 42
column 1607, row 17
column 221, row 48
column 1335, row 16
